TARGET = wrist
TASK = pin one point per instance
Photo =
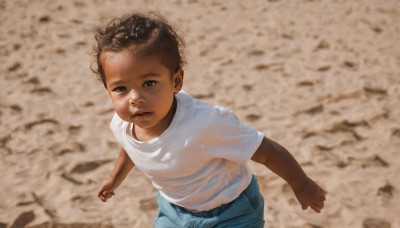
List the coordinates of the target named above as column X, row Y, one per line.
column 300, row 185
column 111, row 178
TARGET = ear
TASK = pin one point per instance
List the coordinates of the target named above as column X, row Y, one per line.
column 178, row 80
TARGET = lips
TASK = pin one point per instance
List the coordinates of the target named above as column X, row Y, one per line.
column 141, row 115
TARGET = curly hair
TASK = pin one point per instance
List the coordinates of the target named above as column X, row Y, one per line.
column 141, row 34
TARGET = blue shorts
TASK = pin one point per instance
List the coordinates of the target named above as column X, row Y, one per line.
column 245, row 211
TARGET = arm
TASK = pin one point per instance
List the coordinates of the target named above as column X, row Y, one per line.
column 276, row 158
column 121, row 169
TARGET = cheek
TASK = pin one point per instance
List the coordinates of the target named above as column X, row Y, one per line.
column 166, row 103
column 118, row 104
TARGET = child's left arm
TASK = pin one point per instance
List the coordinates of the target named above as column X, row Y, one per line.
column 280, row 161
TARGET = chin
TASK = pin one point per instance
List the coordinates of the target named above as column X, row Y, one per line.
column 143, row 125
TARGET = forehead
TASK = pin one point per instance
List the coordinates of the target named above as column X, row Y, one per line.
column 128, row 61
column 126, row 64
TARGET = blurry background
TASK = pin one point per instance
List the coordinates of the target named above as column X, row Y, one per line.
column 322, row 77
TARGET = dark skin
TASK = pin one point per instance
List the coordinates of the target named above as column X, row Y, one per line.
column 271, row 154
column 126, row 70
column 121, row 169
column 276, row 158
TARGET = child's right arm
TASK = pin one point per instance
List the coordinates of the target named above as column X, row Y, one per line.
column 121, row 169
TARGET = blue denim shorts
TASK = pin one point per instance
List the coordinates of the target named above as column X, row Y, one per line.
column 245, row 211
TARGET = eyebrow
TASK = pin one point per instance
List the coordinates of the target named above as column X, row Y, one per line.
column 112, row 84
column 150, row 74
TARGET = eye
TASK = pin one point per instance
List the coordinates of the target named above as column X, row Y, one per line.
column 120, row 89
column 149, row 83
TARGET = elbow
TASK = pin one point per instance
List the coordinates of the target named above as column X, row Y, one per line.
column 261, row 154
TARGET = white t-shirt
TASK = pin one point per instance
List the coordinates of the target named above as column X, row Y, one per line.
column 200, row 161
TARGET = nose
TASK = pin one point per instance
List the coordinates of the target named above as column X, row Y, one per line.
column 135, row 97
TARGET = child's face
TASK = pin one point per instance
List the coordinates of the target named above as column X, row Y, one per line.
column 141, row 89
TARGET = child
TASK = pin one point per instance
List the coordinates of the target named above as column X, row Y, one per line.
column 194, row 154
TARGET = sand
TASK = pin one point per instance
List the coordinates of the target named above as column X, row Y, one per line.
column 321, row 77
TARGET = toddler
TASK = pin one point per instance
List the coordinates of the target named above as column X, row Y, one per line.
column 195, row 154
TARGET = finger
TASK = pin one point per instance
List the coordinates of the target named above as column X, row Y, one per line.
column 107, row 194
column 319, row 204
column 323, row 194
column 102, row 192
column 323, row 197
column 99, row 192
column 304, row 207
column 102, row 198
column 104, row 195
column 316, row 209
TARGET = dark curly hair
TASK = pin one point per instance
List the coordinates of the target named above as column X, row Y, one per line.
column 142, row 34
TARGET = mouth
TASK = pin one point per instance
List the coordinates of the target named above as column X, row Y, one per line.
column 140, row 115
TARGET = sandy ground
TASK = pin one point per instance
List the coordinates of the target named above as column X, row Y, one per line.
column 321, row 77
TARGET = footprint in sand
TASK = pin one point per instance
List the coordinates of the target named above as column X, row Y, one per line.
column 37, row 123
column 252, row 117
column 16, row 47
column 63, row 148
column 60, row 51
column 311, row 111
column 323, row 68
column 305, row 83
column 148, row 204
column 375, row 92
column 14, row 67
column 23, row 219
column 80, row 43
column 374, row 161
column 375, row 223
column 15, row 109
column 321, row 46
column 72, row 225
column 71, row 179
column 386, row 191
column 79, row 4
column 247, row 87
column 52, row 213
column 256, row 53
column 81, row 168
column 203, row 95
column 396, row 132
column 44, row 19
column 89, row 166
column 74, row 130
column 273, row 66
column 41, row 91
column 348, row 127
column 350, row 65
column 88, row 104
column 33, row 80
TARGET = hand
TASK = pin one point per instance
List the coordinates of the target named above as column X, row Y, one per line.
column 106, row 189
column 311, row 195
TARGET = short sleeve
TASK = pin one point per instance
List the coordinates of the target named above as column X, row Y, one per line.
column 116, row 126
column 227, row 137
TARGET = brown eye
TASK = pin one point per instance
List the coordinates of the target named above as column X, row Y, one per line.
column 149, row 83
column 120, row 89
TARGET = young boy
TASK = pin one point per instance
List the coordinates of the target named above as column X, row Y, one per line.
column 195, row 154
